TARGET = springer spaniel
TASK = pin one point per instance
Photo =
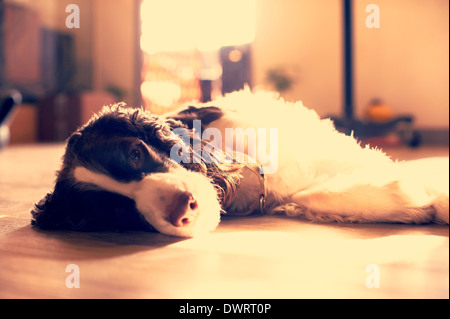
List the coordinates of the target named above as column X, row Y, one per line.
column 176, row 174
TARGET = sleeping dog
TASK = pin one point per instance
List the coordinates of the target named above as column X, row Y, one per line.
column 248, row 153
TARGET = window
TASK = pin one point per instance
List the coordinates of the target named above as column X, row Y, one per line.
column 181, row 43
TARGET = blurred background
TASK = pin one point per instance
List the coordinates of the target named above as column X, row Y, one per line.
column 160, row 54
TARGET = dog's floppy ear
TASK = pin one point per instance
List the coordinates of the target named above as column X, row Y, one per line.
column 56, row 211
column 71, row 208
column 205, row 114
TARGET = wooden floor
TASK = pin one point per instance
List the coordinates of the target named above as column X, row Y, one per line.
column 252, row 257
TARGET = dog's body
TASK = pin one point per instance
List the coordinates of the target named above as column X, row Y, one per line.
column 312, row 171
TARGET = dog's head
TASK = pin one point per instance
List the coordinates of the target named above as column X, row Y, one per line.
column 117, row 173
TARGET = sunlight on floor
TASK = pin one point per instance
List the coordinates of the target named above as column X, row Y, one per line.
column 289, row 258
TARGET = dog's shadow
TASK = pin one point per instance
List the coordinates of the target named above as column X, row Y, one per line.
column 59, row 244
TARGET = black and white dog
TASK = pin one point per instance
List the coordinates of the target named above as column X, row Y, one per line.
column 250, row 152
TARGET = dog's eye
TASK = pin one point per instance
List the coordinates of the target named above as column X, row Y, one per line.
column 136, row 155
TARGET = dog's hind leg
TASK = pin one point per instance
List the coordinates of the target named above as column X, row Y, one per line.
column 366, row 198
column 360, row 204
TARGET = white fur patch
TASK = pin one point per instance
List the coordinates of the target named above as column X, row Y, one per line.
column 327, row 176
column 156, row 191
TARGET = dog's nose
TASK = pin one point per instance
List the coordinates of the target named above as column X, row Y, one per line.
column 181, row 210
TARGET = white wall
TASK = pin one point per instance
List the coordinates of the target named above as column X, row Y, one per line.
column 114, row 33
column 303, row 36
column 404, row 62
